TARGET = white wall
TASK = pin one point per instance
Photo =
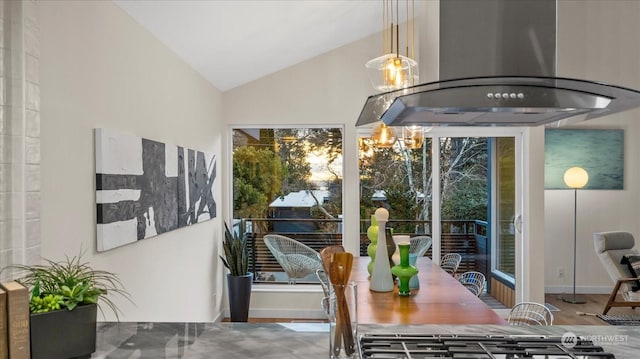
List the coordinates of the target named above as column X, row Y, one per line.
column 596, row 42
column 101, row 69
column 328, row 90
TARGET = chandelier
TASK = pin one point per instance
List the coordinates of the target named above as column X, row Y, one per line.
column 392, row 70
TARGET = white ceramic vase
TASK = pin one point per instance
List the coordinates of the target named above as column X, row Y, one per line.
column 381, row 279
column 399, row 238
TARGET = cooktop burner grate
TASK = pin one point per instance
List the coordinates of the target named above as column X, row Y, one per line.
column 423, row 346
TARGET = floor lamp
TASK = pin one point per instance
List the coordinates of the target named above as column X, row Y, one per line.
column 575, row 177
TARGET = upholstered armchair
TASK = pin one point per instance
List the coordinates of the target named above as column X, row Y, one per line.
column 611, row 247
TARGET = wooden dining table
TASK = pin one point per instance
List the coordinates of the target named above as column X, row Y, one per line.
column 441, row 299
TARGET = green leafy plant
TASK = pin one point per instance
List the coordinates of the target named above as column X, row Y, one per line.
column 68, row 284
column 236, row 254
column 47, row 303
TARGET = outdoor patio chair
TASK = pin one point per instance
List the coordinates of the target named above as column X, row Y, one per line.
column 419, row 245
column 474, row 281
column 297, row 259
column 450, row 262
column 611, row 247
column 530, row 313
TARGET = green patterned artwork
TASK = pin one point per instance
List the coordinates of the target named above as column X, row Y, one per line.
column 599, row 152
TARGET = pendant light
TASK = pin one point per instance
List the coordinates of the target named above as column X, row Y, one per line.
column 393, row 71
column 383, row 136
column 413, row 136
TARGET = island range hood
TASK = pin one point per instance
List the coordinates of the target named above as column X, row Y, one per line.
column 497, row 62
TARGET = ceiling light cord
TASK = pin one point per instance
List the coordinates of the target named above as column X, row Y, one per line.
column 397, row 29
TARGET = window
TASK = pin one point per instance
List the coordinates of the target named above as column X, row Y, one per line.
column 287, row 181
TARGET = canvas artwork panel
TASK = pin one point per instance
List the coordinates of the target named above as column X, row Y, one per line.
column 145, row 188
column 599, row 152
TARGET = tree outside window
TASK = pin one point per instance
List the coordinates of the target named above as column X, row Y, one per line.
column 287, row 181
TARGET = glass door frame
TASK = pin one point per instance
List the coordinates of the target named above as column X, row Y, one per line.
column 521, row 236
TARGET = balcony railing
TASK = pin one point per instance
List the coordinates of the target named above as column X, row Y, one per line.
column 465, row 237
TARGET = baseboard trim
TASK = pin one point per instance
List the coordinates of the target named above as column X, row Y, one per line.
column 286, row 288
column 284, row 313
column 560, row 289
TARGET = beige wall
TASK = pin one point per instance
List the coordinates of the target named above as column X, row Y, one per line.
column 595, row 42
column 101, row 69
column 328, row 90
column 589, row 46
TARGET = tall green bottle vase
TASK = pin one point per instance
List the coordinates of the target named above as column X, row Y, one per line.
column 404, row 271
column 372, row 234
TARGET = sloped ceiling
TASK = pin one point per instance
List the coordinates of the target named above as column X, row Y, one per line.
column 232, row 43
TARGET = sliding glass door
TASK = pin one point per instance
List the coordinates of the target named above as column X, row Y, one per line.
column 479, row 207
column 462, row 187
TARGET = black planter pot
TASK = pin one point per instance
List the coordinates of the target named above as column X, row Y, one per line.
column 64, row 334
column 239, row 296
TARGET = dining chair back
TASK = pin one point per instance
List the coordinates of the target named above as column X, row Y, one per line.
column 530, row 313
column 450, row 262
column 474, row 281
column 419, row 245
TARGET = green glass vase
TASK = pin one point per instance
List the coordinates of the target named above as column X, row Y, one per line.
column 404, row 271
column 372, row 234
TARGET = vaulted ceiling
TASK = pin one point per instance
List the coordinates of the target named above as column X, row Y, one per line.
column 233, row 42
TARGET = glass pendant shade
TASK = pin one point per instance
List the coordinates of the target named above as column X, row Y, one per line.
column 392, row 71
column 383, row 136
column 413, row 137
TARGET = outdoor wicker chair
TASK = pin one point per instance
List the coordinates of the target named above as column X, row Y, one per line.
column 297, row 259
column 419, row 245
column 474, row 281
column 450, row 262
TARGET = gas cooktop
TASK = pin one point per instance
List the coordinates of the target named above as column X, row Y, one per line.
column 423, row 346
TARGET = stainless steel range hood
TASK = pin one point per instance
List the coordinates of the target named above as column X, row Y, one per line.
column 497, row 68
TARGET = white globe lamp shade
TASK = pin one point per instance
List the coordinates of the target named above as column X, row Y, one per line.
column 576, row 177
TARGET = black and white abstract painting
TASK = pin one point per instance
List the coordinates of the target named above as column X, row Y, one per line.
column 145, row 188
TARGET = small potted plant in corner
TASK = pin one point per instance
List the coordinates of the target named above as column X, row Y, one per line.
column 239, row 280
column 64, row 300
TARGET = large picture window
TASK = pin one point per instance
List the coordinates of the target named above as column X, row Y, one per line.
column 287, row 181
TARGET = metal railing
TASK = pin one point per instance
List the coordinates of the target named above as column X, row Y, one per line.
column 467, row 237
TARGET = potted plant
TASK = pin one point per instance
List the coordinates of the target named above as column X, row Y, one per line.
column 239, row 280
column 64, row 300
